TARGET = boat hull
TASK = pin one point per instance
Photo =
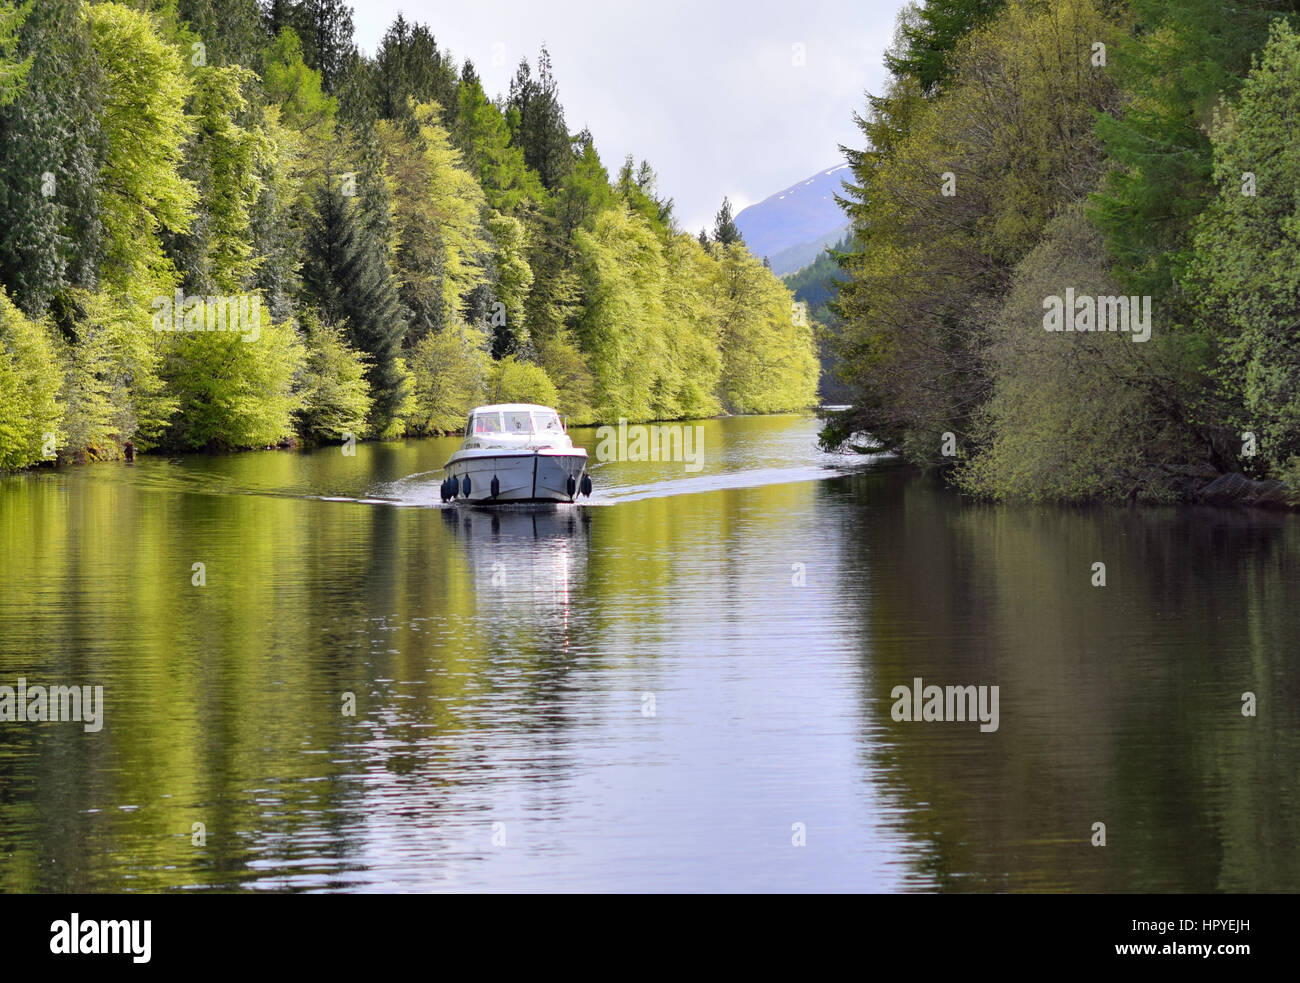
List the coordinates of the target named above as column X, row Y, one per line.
column 523, row 477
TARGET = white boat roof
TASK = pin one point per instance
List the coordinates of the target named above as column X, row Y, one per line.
column 511, row 407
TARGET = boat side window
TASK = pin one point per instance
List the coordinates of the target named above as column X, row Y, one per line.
column 547, row 423
column 518, row 422
column 487, row 423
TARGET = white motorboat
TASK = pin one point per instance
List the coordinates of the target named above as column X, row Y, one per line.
column 515, row 454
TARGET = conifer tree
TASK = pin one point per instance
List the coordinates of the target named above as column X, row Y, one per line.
column 725, row 232
column 49, row 135
column 541, row 130
column 346, row 274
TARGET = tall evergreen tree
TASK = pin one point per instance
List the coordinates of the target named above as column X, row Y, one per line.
column 929, row 38
column 636, row 186
column 13, row 70
column 725, row 232
column 408, row 66
column 346, row 274
column 325, row 28
column 49, row 138
column 541, row 130
column 1184, row 57
column 231, row 31
column 483, row 136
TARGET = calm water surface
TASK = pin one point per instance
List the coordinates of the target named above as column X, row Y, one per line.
column 645, row 693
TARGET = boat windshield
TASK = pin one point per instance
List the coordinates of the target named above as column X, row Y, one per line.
column 487, row 423
column 517, row 421
column 546, row 423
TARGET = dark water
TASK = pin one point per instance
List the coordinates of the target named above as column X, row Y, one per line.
column 637, row 695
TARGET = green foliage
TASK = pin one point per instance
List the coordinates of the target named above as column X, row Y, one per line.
column 1072, row 416
column 300, row 122
column 929, row 34
column 145, row 128
column 296, row 88
column 637, row 189
column 230, row 30
column 346, row 271
column 941, row 311
column 621, row 326
column 539, row 129
column 815, row 287
column 1183, row 57
column 440, row 234
column 225, row 159
column 672, row 331
column 1246, row 272
column 725, row 232
column 1010, row 135
column 815, row 284
column 513, row 278
column 483, row 137
column 409, row 70
column 13, row 71
column 585, row 190
column 335, row 397
column 561, row 358
column 325, row 27
column 410, row 245
column 141, row 196
column 234, row 389
column 450, row 369
column 113, row 387
column 30, row 411
column 512, row 381
column 49, row 140
column 691, row 374
column 769, row 362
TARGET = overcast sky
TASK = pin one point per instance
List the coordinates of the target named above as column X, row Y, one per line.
column 709, row 92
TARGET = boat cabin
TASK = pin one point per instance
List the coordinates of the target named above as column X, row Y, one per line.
column 514, row 419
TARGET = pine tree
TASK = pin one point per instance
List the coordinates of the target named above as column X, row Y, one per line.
column 1159, row 146
column 49, row 210
column 637, row 189
column 541, row 131
column 346, row 274
column 231, row 31
column 725, row 232
column 325, row 28
column 930, row 36
column 409, row 67
column 483, row 136
column 13, row 71
column 585, row 191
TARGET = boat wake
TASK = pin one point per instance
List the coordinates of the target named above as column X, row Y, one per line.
column 700, row 484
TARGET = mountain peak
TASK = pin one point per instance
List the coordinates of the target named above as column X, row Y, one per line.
column 797, row 220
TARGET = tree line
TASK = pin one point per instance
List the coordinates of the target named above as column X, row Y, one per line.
column 225, row 227
column 1138, row 151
